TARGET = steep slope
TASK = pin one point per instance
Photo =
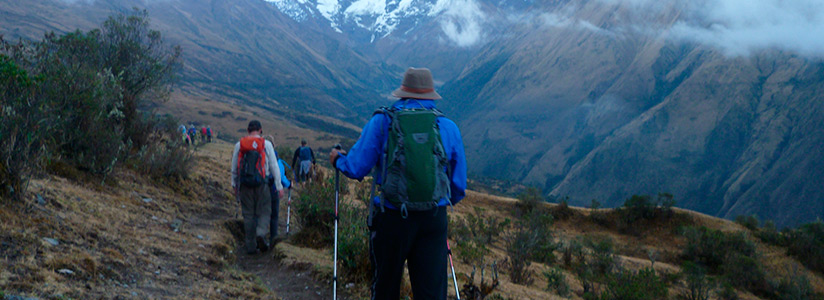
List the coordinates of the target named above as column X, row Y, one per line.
column 587, row 107
column 234, row 50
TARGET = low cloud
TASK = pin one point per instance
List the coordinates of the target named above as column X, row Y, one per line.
column 740, row 27
column 461, row 21
column 736, row 27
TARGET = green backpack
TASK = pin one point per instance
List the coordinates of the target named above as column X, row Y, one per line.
column 414, row 160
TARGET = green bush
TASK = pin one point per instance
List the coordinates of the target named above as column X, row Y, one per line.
column 314, row 210
column 807, row 245
column 528, row 201
column 353, row 244
column 165, row 160
column 713, row 248
column 697, row 285
column 749, row 222
column 644, row 208
column 531, row 240
column 796, row 286
column 556, row 282
column 630, row 285
column 21, row 141
column 474, row 233
column 76, row 97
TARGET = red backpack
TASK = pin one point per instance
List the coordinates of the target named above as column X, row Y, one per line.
column 252, row 161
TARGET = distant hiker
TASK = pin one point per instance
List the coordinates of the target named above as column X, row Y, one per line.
column 409, row 224
column 273, row 225
column 184, row 134
column 203, row 134
column 307, row 161
column 192, row 134
column 253, row 160
column 208, row 134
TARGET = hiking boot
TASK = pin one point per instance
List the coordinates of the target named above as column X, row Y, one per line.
column 262, row 244
column 275, row 240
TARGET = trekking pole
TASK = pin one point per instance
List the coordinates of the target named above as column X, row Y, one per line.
column 335, row 268
column 288, row 210
column 454, row 278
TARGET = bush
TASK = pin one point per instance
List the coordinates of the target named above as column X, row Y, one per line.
column 630, row 285
column 731, row 255
column 21, row 145
column 314, row 210
column 749, row 222
column 474, row 232
column 528, row 201
column 697, row 285
column 556, row 281
column 795, row 287
column 713, row 248
column 165, row 160
column 807, row 245
column 353, row 244
column 76, row 97
column 532, row 240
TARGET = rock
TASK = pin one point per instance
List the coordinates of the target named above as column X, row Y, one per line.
column 176, row 224
column 155, row 218
column 40, row 200
column 65, row 272
column 350, row 285
column 51, row 241
column 199, row 237
column 134, row 294
column 147, row 200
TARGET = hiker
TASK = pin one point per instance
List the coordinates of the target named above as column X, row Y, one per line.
column 253, row 160
column 192, row 133
column 208, row 134
column 203, row 134
column 184, row 134
column 273, row 225
column 409, row 224
column 307, row 161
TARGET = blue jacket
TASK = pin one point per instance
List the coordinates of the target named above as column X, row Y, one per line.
column 367, row 152
column 283, row 180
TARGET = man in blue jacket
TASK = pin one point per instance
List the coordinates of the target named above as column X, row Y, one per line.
column 398, row 236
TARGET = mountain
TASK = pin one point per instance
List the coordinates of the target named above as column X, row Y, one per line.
column 596, row 99
column 236, row 50
column 586, row 107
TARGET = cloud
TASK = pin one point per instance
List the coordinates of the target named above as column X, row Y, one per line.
column 740, row 27
column 735, row 27
column 461, row 21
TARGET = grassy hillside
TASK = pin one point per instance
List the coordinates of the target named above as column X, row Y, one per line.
column 139, row 238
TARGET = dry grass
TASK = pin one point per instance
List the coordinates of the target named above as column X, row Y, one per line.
column 115, row 244
column 118, row 245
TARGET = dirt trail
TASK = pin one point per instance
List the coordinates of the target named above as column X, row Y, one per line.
column 286, row 276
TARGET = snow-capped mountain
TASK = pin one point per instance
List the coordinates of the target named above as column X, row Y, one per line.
column 458, row 21
column 379, row 17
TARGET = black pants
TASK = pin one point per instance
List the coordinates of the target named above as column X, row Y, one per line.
column 419, row 240
column 273, row 227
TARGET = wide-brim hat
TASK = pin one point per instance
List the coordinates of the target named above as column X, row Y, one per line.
column 417, row 84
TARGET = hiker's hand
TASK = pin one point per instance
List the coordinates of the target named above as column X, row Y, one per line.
column 281, row 193
column 333, row 157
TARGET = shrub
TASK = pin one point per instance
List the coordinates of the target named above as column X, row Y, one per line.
column 807, row 244
column 796, row 286
column 314, row 210
column 353, row 244
column 641, row 285
column 556, row 281
column 712, row 248
column 749, row 222
column 165, row 160
column 519, row 250
column 727, row 292
column 474, row 232
column 697, row 285
column 562, row 210
column 528, row 201
column 21, row 144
